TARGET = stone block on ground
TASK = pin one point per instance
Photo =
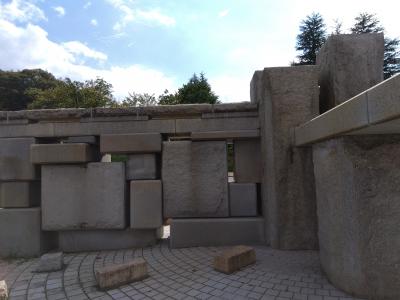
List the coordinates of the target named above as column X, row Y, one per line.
column 146, row 204
column 62, row 153
column 141, row 166
column 116, row 275
column 84, row 197
column 195, row 179
column 130, row 143
column 234, row 259
column 51, row 262
column 248, row 164
column 216, row 232
column 3, row 290
column 15, row 163
column 19, row 194
column 243, row 199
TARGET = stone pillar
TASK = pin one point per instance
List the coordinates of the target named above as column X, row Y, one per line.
column 358, row 188
column 287, row 97
column 349, row 64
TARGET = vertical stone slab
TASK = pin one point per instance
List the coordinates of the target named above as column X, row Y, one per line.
column 14, row 194
column 141, row 166
column 247, row 155
column 349, row 64
column 15, row 161
column 358, row 188
column 288, row 97
column 243, row 199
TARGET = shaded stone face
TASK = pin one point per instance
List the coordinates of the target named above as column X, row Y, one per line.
column 248, row 161
column 243, row 199
column 19, row 194
column 73, row 153
column 51, row 262
column 141, row 166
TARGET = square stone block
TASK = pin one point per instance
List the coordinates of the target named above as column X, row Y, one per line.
column 15, row 194
column 51, row 262
column 62, row 153
column 248, row 161
column 243, row 199
column 141, row 166
column 195, row 179
column 83, row 197
column 234, row 259
column 130, row 143
column 146, row 204
column 15, row 163
column 21, row 235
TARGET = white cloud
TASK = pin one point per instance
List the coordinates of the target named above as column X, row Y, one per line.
column 94, row 22
column 21, row 11
column 223, row 13
column 87, row 5
column 77, row 48
column 231, row 88
column 155, row 16
column 59, row 10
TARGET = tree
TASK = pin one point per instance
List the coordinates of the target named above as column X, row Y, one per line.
column 139, row 100
column 368, row 23
column 197, row 90
column 311, row 38
column 337, row 27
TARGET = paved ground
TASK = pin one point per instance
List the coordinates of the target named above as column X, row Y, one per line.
column 176, row 274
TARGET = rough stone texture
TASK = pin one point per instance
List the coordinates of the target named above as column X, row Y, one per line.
column 15, row 194
column 83, row 197
column 216, row 232
column 288, row 98
column 117, row 275
column 224, row 135
column 349, row 64
column 51, row 262
column 234, row 259
column 98, row 240
column 195, row 179
column 20, row 233
column 15, row 161
column 73, row 153
column 88, row 139
column 130, row 143
column 358, row 186
column 3, row 290
column 221, row 124
column 146, row 204
column 243, row 199
column 248, row 164
column 141, row 166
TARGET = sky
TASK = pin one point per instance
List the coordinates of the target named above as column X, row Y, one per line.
column 147, row 46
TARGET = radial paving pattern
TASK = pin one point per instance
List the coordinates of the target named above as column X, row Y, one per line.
column 176, row 274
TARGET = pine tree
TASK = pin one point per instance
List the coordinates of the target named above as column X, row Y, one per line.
column 366, row 23
column 311, row 38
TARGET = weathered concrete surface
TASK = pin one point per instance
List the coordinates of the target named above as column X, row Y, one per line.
column 130, row 143
column 349, row 64
column 20, row 233
column 288, row 98
column 83, row 197
column 87, row 139
column 51, row 262
column 234, row 259
column 216, row 232
column 146, row 204
column 141, row 166
column 224, row 135
column 248, row 161
column 19, row 194
column 242, row 199
column 97, row 240
column 15, row 161
column 116, row 275
column 221, row 124
column 3, row 290
column 195, row 179
column 357, row 183
column 73, row 153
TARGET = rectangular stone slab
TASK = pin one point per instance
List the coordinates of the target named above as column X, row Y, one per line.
column 18, row 194
column 62, row 153
column 243, row 199
column 51, row 262
column 248, row 161
column 141, row 166
column 130, row 143
column 117, row 275
column 234, row 259
column 3, row 290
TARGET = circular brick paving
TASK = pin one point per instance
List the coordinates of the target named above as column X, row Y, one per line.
column 176, row 274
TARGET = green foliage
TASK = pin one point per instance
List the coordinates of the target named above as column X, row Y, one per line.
column 197, row 90
column 119, row 158
column 311, row 38
column 366, row 23
column 139, row 100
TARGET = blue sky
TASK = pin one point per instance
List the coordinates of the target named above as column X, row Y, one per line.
column 153, row 45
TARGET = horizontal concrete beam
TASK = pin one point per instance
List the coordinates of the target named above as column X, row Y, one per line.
column 362, row 114
column 223, row 135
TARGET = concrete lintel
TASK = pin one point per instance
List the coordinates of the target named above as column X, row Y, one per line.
column 223, row 135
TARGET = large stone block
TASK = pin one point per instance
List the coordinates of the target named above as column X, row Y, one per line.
column 243, row 199
column 15, row 163
column 141, row 166
column 98, row 240
column 358, row 188
column 146, row 204
column 21, row 235
column 74, row 153
column 234, row 259
column 3, row 290
column 130, row 143
column 349, row 64
column 19, row 194
column 87, row 139
column 247, row 161
column 51, row 262
column 288, row 98
column 216, row 232
column 195, row 179
column 83, row 197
